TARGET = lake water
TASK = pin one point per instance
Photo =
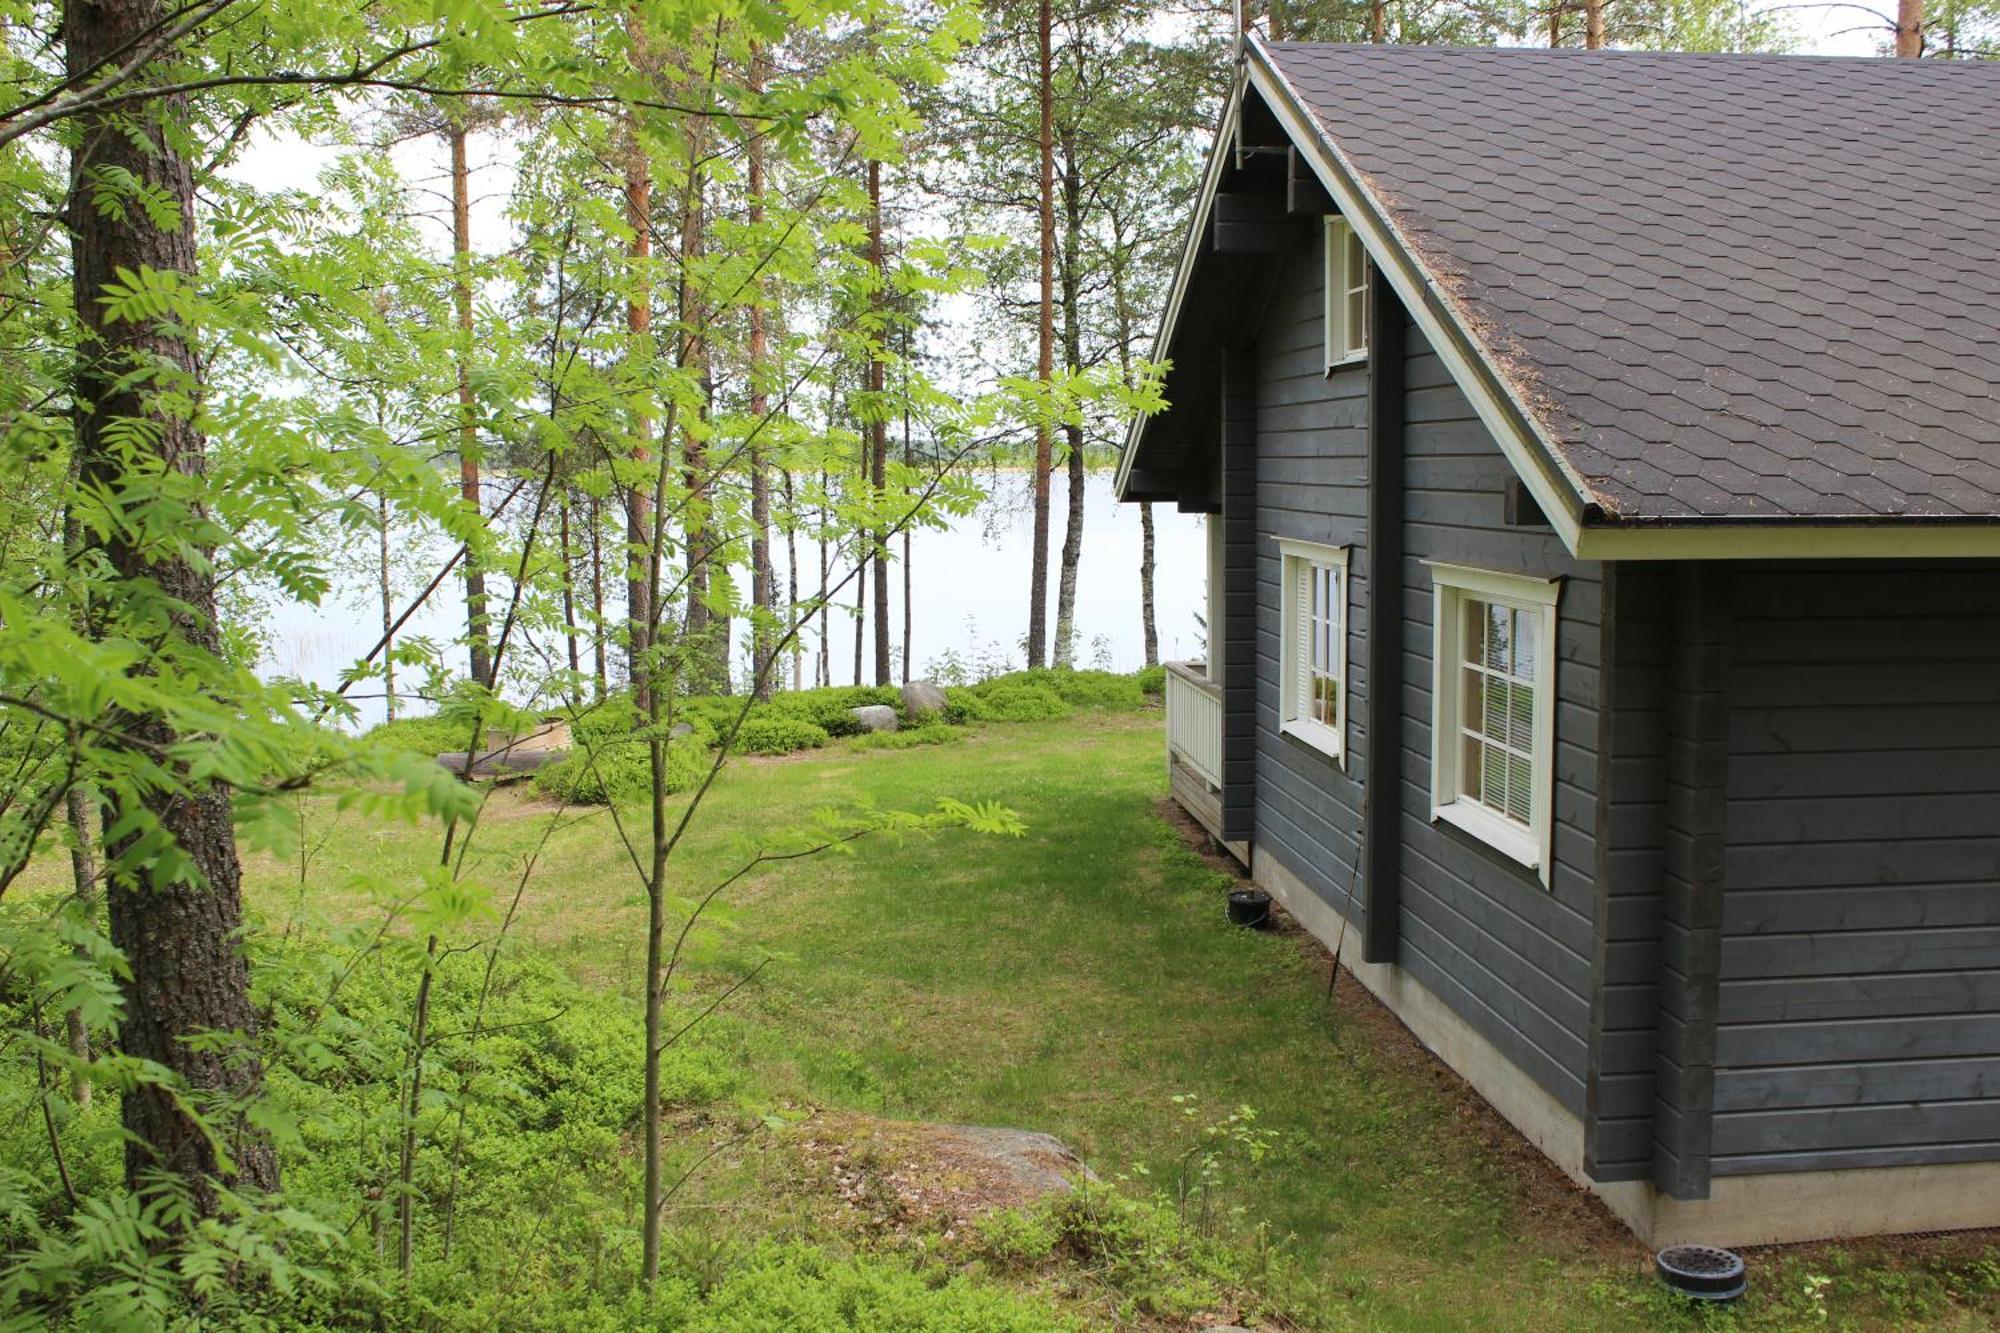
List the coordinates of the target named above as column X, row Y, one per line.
column 970, row 594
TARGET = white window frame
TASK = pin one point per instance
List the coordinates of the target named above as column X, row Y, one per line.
column 1347, row 294
column 1452, row 587
column 1296, row 559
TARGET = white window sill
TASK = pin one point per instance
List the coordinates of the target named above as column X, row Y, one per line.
column 1316, row 734
column 1503, row 835
column 1351, row 359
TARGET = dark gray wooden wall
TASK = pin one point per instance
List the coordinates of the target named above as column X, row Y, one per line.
column 1859, row 1012
column 1510, row 956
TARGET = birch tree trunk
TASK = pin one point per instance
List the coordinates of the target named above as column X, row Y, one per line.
column 762, row 589
column 1072, row 339
column 1038, row 569
column 878, row 426
column 638, row 325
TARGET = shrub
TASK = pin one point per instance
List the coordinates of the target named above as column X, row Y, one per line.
column 620, row 772
column 962, row 704
column 930, row 733
column 1152, row 679
column 773, row 732
column 832, row 708
column 420, row 735
column 1011, row 700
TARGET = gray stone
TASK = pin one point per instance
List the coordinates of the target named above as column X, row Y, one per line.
column 875, row 717
column 499, row 763
column 680, row 729
column 921, row 699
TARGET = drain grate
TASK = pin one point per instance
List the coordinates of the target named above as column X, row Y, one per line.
column 1702, row 1272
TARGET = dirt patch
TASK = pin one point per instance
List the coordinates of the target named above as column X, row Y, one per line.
column 1553, row 1203
column 904, row 1176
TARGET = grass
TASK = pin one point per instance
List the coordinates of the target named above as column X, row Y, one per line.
column 1075, row 980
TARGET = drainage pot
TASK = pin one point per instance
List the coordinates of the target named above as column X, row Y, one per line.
column 1249, row 907
column 1702, row 1272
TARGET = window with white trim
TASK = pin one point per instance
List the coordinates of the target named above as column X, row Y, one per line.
column 1493, row 738
column 1313, row 645
column 1347, row 298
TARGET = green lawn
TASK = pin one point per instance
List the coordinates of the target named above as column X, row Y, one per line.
column 1075, row 980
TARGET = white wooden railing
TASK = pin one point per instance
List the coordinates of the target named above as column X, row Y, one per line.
column 1194, row 720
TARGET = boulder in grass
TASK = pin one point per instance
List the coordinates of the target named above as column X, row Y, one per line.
column 921, row 699
column 875, row 717
column 500, row 763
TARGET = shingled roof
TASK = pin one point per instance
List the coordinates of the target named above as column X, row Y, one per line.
column 1756, row 288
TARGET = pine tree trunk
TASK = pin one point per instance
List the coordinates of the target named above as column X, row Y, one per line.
column 1593, row 25
column 1038, row 570
column 468, row 428
column 763, row 672
column 1072, row 339
column 188, row 975
column 1378, row 32
column 1909, row 29
column 878, row 425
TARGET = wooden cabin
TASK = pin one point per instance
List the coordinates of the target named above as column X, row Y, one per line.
column 1602, row 460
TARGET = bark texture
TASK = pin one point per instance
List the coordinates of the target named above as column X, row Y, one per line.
column 179, row 938
column 638, row 500
column 878, row 426
column 1909, row 29
column 1072, row 340
column 1038, row 560
column 481, row 658
column 763, row 590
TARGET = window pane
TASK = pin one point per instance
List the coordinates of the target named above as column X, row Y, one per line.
column 1498, row 638
column 1493, row 777
column 1493, row 721
column 1326, row 700
column 1472, row 636
column 1520, row 731
column 1520, row 788
column 1469, row 780
column 1527, row 627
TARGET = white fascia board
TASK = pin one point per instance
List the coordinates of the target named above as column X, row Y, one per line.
column 1801, row 539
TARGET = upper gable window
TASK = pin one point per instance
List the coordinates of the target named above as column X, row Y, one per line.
column 1347, row 299
column 1493, row 740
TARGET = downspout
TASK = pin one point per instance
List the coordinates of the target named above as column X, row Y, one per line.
column 1381, row 809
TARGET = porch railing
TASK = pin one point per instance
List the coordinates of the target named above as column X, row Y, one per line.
column 1194, row 720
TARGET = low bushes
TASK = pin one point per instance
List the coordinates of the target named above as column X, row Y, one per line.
column 608, row 761
column 620, row 772
column 777, row 732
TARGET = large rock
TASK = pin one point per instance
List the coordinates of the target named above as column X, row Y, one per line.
column 921, row 699
column 917, row 1176
column 499, row 763
column 875, row 717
